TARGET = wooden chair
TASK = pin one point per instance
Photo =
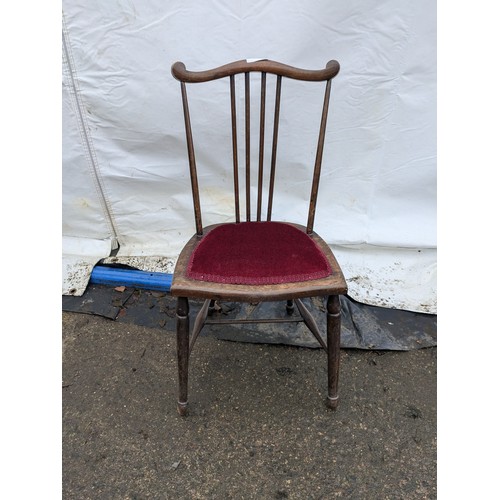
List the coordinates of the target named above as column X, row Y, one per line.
column 260, row 260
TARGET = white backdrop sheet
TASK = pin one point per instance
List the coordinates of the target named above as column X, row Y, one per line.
column 125, row 171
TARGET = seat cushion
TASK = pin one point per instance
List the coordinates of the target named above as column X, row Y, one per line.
column 257, row 253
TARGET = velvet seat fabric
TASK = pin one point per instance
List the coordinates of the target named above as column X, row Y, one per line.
column 257, row 253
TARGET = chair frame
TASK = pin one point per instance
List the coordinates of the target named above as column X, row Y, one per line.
column 185, row 288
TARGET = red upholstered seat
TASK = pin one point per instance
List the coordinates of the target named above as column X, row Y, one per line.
column 257, row 253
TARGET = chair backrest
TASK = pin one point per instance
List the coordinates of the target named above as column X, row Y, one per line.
column 246, row 67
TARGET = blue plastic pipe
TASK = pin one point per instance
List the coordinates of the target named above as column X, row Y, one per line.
column 132, row 278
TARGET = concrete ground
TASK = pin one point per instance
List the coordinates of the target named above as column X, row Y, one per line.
column 257, row 428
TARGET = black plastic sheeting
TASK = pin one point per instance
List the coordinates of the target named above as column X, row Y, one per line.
column 363, row 326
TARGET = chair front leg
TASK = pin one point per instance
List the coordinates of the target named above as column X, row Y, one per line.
column 333, row 349
column 183, row 352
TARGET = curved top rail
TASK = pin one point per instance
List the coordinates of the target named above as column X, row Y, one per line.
column 180, row 72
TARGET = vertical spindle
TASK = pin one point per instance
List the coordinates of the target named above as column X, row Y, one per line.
column 192, row 162
column 261, row 143
column 274, row 147
column 235, row 150
column 319, row 157
column 247, row 143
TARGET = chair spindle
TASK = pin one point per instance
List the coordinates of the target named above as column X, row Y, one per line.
column 247, row 144
column 192, row 162
column 274, row 147
column 235, row 150
column 319, row 157
column 261, row 143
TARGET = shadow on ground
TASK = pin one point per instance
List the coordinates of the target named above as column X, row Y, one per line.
column 258, row 427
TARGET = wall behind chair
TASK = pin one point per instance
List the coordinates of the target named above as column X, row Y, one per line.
column 125, row 171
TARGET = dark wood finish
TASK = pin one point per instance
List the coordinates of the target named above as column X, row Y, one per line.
column 319, row 157
column 261, row 144
column 184, row 287
column 247, row 144
column 182, row 352
column 272, row 174
column 199, row 322
column 333, row 349
column 235, row 150
column 252, row 321
column 192, row 161
column 180, row 72
column 264, row 66
column 310, row 323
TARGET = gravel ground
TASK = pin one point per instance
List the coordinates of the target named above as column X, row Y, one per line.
column 257, row 428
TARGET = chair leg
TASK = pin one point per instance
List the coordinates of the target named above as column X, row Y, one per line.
column 289, row 307
column 333, row 352
column 183, row 352
column 211, row 307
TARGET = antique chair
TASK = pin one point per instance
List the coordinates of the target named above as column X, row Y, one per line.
column 260, row 260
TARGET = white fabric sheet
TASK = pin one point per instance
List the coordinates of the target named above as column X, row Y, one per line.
column 125, row 171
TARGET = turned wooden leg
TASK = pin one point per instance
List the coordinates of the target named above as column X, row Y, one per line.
column 333, row 349
column 289, row 307
column 182, row 352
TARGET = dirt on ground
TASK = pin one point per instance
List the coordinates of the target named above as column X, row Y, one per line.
column 257, row 426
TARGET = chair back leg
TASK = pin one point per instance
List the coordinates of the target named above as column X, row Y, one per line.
column 333, row 349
